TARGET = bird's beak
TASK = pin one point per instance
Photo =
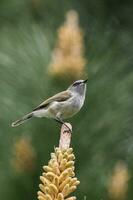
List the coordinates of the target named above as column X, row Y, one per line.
column 85, row 81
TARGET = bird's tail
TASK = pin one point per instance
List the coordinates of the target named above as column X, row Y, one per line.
column 22, row 120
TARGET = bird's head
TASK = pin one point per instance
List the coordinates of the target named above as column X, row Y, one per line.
column 78, row 87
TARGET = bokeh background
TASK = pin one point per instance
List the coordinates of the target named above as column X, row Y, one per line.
column 45, row 46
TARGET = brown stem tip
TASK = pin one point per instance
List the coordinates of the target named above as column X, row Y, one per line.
column 65, row 136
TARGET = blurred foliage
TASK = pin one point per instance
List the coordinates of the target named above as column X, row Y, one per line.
column 118, row 183
column 23, row 158
column 102, row 131
column 69, row 46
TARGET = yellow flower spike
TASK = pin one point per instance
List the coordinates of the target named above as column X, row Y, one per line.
column 60, row 196
column 65, row 155
column 71, row 198
column 41, row 198
column 50, row 163
column 63, row 164
column 53, row 156
column 69, row 45
column 60, row 157
column 118, row 184
column 77, row 183
column 41, row 194
column 58, row 179
column 62, row 185
column 63, row 161
column 73, row 180
column 65, row 190
column 56, row 168
column 56, row 182
column 71, row 189
column 53, row 188
column 71, row 173
column 50, row 176
column 69, row 151
column 44, row 180
column 48, row 197
column 47, row 178
column 69, row 164
column 73, row 168
column 63, row 176
column 42, row 188
column 71, row 157
column 47, row 169
column 23, row 155
column 57, row 151
column 47, row 190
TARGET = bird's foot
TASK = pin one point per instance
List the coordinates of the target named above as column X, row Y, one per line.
column 68, row 129
column 65, row 124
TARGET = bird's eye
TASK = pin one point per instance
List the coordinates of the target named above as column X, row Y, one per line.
column 77, row 83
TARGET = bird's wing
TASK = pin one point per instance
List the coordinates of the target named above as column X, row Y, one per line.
column 62, row 96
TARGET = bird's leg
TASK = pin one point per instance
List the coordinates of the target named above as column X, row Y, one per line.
column 62, row 122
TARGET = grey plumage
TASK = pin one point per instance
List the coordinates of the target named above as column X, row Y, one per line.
column 22, row 120
column 60, row 106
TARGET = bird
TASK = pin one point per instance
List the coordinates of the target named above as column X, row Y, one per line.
column 61, row 106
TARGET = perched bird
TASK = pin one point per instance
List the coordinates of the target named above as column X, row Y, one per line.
column 60, row 106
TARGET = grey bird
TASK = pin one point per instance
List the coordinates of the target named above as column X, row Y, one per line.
column 60, row 106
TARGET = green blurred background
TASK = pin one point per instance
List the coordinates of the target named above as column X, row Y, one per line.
column 102, row 132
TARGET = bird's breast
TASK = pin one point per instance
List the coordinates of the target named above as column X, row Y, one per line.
column 70, row 107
